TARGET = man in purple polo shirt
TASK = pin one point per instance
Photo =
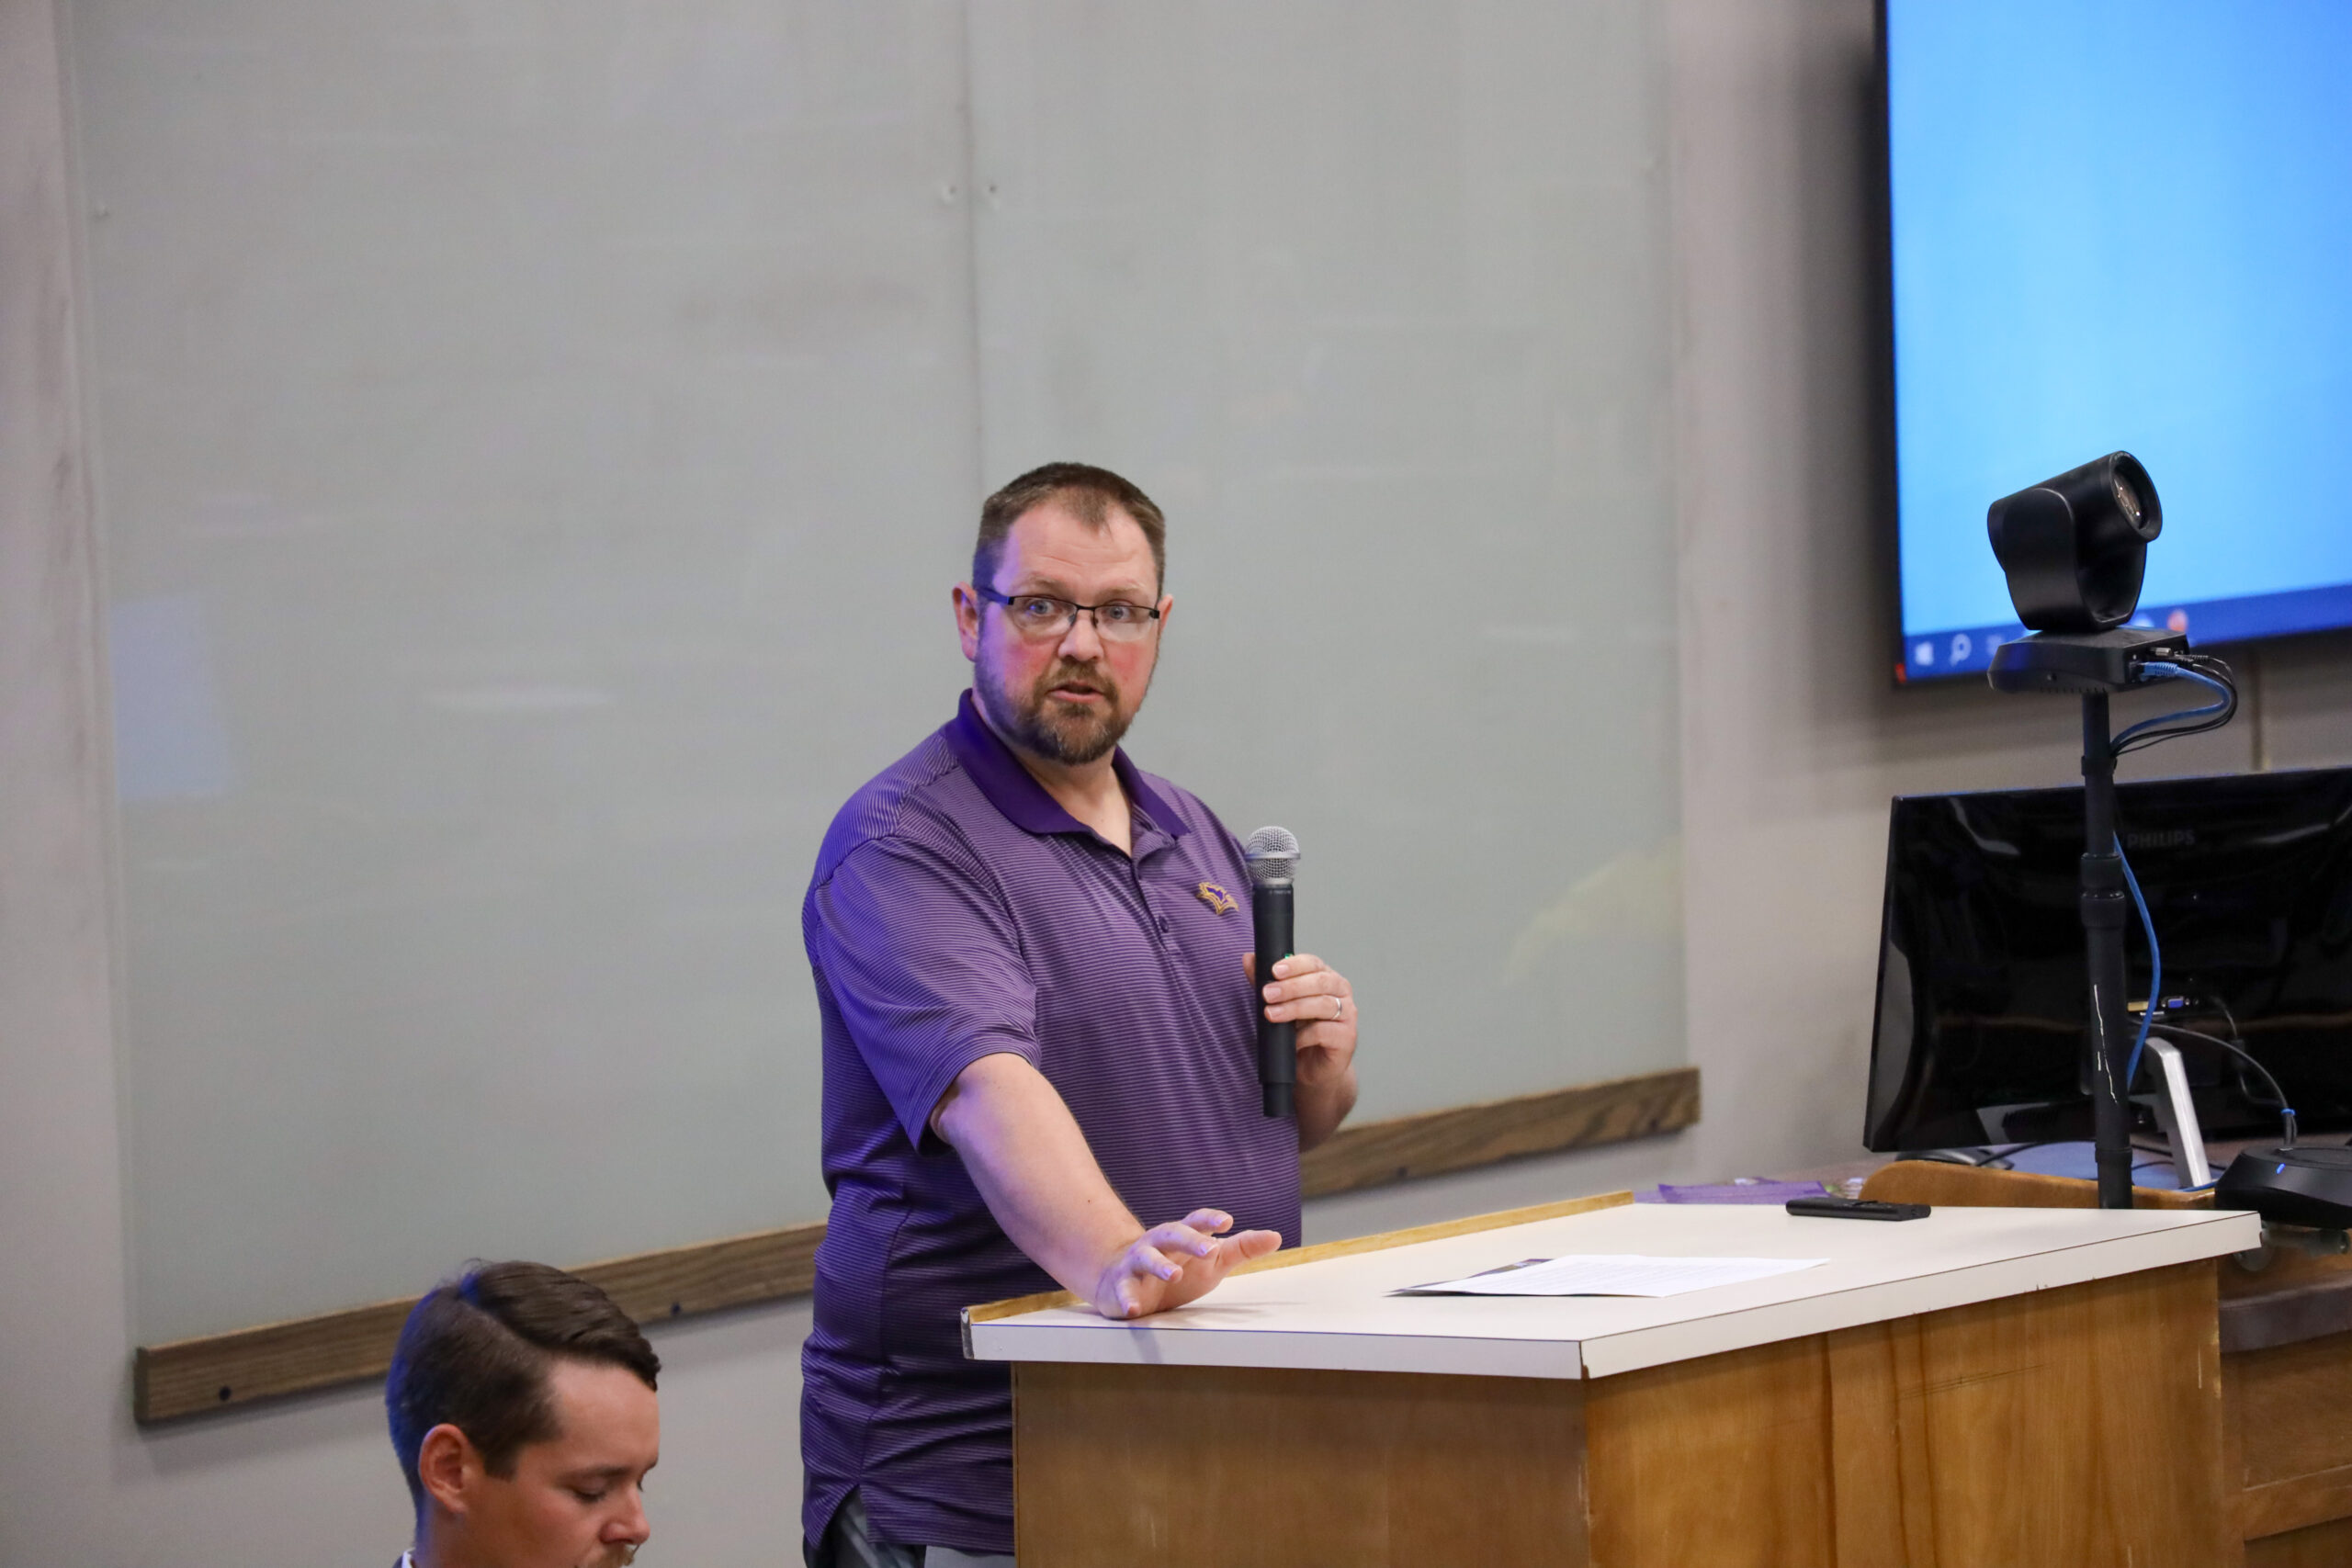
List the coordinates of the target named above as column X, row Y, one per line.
column 1033, row 966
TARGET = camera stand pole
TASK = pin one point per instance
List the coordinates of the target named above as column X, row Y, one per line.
column 2094, row 664
column 2105, row 910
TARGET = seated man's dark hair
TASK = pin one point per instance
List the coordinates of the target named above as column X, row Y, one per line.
column 476, row 1351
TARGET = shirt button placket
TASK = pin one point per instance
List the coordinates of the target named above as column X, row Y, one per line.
column 1151, row 911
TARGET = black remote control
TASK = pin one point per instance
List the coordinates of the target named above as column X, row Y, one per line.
column 1828, row 1208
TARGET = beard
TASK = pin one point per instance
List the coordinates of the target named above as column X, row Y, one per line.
column 1060, row 731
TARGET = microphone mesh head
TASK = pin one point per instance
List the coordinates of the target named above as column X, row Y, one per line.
column 1272, row 854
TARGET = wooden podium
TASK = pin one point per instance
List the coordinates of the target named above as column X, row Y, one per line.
column 1983, row 1387
column 2286, row 1329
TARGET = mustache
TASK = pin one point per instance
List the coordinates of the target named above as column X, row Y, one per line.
column 1078, row 678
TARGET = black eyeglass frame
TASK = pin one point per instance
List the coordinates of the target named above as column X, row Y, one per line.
column 1071, row 609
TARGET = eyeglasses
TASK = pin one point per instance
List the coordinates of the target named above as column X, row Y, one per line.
column 1041, row 616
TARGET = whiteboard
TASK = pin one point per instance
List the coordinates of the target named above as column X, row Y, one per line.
column 1373, row 299
column 535, row 441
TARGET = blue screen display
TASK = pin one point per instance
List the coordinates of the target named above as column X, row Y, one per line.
column 2123, row 225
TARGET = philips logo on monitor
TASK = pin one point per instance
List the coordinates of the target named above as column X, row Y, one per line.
column 2162, row 839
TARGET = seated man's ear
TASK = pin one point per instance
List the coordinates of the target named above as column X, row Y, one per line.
column 449, row 1466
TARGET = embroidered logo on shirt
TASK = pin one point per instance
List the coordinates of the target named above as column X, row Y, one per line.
column 1217, row 898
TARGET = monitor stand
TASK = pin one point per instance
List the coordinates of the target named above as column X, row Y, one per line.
column 2177, row 1114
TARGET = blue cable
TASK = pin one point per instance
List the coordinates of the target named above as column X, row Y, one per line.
column 2156, row 963
column 2162, row 671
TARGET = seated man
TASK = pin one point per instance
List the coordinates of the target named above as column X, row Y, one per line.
column 522, row 1409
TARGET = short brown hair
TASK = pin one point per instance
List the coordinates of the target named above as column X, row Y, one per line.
column 476, row 1352
column 1087, row 490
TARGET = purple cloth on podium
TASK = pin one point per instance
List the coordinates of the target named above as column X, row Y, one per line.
column 1732, row 1193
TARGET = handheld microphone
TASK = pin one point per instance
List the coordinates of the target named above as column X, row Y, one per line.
column 1272, row 854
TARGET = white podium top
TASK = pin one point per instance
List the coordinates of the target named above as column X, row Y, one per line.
column 1336, row 1314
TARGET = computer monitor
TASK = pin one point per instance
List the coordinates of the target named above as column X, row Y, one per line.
column 1983, row 1012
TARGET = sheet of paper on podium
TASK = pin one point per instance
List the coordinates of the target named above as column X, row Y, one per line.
column 1613, row 1274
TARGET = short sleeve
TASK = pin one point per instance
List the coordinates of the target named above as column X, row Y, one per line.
column 924, row 963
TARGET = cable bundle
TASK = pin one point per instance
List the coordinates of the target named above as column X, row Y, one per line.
column 2202, row 668
column 2206, row 671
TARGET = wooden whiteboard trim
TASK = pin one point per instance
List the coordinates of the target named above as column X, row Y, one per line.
column 1468, row 1136
column 220, row 1371
column 223, row 1372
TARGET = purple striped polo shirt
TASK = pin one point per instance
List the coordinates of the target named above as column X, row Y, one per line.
column 956, row 911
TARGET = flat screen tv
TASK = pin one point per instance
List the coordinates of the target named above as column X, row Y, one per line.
column 1982, row 1012
column 2123, row 224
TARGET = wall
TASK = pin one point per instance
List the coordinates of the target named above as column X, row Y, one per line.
column 1792, row 745
column 62, row 1289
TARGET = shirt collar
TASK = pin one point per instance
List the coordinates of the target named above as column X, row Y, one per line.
column 1016, row 792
